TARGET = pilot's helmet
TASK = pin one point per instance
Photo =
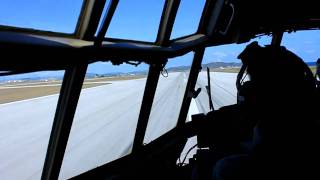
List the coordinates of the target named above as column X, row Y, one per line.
column 274, row 70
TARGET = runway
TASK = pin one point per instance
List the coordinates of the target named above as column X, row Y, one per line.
column 104, row 124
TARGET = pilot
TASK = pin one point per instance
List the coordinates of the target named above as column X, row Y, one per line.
column 275, row 113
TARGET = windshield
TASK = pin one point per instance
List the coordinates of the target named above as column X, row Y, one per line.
column 27, row 107
column 168, row 98
column 106, row 117
column 223, row 65
column 107, row 113
column 305, row 45
column 184, row 26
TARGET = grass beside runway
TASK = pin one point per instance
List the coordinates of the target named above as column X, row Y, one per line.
column 116, row 78
column 225, row 70
column 16, row 91
column 21, row 93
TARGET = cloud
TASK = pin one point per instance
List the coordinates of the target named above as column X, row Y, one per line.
column 308, row 42
column 293, row 49
column 219, row 56
column 235, row 54
column 310, row 51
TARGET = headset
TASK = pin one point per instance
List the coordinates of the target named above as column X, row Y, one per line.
column 242, row 85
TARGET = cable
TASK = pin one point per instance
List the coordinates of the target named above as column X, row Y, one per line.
column 166, row 72
column 133, row 63
column 185, row 157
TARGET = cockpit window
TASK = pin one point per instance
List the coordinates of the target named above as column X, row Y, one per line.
column 188, row 18
column 136, row 20
column 106, row 117
column 223, row 66
column 305, row 44
column 48, row 15
column 27, row 107
column 168, row 98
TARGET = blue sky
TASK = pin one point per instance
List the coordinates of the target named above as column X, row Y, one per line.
column 51, row 15
column 139, row 20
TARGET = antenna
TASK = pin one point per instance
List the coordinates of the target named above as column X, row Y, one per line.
column 208, row 87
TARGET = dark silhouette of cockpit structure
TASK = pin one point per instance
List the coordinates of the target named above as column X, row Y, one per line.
column 222, row 22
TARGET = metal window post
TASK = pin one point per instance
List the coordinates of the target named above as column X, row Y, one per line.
column 148, row 96
column 192, row 80
column 67, row 104
column 106, row 22
column 277, row 38
column 163, row 36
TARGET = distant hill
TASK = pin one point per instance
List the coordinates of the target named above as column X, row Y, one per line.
column 35, row 76
column 133, row 73
column 204, row 66
column 221, row 65
column 311, row 63
column 178, row 68
column 58, row 75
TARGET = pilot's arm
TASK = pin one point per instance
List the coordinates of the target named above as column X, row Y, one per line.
column 229, row 124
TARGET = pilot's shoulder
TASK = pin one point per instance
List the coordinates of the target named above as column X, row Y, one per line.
column 233, row 107
column 225, row 111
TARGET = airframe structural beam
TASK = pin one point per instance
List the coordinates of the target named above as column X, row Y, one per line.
column 148, row 96
column 106, row 22
column 67, row 104
column 192, row 80
column 89, row 19
column 163, row 37
column 276, row 38
column 167, row 21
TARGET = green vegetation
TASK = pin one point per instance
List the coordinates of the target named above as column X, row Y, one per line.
column 22, row 93
column 226, row 70
column 313, row 69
